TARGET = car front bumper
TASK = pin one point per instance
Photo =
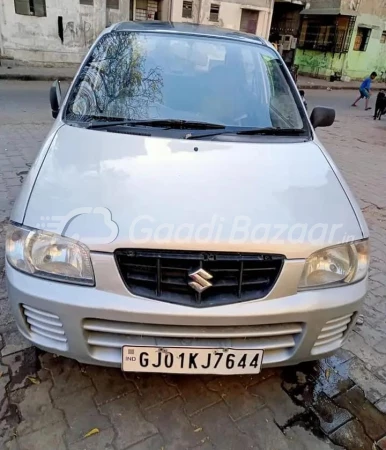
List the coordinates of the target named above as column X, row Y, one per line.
column 92, row 325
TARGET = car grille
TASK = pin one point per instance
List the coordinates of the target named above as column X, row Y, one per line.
column 45, row 328
column 332, row 334
column 107, row 337
column 165, row 275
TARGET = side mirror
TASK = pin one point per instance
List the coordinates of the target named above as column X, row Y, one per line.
column 55, row 98
column 322, row 117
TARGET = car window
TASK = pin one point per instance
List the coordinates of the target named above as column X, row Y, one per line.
column 281, row 101
column 157, row 76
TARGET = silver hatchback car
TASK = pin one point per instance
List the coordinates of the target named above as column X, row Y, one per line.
column 182, row 215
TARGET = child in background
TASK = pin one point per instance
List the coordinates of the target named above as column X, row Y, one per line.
column 365, row 90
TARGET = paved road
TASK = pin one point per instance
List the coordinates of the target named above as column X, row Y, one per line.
column 339, row 100
column 48, row 402
column 19, row 100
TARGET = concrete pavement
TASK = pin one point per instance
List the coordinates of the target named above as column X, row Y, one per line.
column 49, row 402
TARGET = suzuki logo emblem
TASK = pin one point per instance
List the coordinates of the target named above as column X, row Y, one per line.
column 200, row 283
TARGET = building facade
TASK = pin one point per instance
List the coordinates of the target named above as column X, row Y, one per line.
column 59, row 32
column 286, row 25
column 342, row 39
column 251, row 16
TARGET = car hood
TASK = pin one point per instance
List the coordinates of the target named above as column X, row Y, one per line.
column 112, row 191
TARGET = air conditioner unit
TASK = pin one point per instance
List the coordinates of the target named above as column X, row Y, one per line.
column 294, row 43
column 286, row 40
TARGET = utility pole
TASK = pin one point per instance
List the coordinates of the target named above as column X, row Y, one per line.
column 1, row 34
column 270, row 19
column 199, row 11
column 99, row 16
column 125, row 9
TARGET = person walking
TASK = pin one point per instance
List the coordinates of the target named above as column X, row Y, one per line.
column 365, row 90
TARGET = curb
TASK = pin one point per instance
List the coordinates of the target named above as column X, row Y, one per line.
column 28, row 77
column 335, row 88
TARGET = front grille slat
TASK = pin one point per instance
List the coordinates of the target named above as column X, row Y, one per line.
column 118, row 341
column 141, row 277
column 140, row 266
column 159, row 277
column 258, row 281
column 107, row 337
column 191, row 331
column 44, row 319
column 334, row 325
column 47, row 334
column 328, row 334
column 44, row 327
column 40, row 313
column 177, row 281
column 165, row 275
column 241, row 272
column 336, row 338
column 333, row 334
column 41, row 326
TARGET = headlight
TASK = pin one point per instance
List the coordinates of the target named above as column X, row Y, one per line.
column 48, row 255
column 336, row 266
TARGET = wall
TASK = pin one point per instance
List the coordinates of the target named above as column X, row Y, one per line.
column 318, row 64
column 118, row 15
column 317, row 4
column 36, row 40
column 229, row 14
column 343, row 5
column 355, row 64
column 361, row 64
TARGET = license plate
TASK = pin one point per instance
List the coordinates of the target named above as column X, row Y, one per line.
column 191, row 360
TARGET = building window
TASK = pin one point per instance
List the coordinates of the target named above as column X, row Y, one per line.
column 317, row 33
column 187, row 9
column 141, row 4
column 383, row 37
column 214, row 12
column 141, row 10
column 31, row 7
column 327, row 33
column 249, row 20
column 86, row 2
column 112, row 4
column 362, row 39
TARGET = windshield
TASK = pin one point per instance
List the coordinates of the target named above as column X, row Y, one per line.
column 138, row 76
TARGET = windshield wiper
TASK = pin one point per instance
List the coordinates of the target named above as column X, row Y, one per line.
column 269, row 131
column 200, row 136
column 272, row 131
column 162, row 123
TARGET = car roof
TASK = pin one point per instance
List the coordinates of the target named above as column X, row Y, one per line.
column 186, row 28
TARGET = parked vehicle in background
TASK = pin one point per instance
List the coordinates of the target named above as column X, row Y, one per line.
column 182, row 215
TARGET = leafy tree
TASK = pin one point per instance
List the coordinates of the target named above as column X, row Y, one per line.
column 116, row 80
